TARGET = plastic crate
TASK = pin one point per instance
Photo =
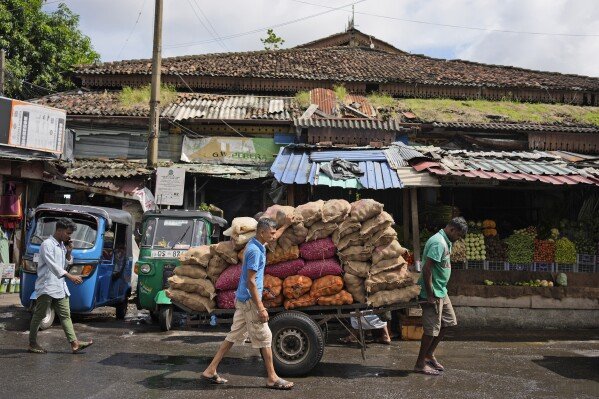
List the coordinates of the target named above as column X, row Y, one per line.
column 565, row 268
column 586, row 263
column 586, row 268
column 496, row 265
column 543, row 267
column 521, row 267
column 458, row 265
column 475, row 265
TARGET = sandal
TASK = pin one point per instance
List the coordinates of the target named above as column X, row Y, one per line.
column 83, row 345
column 38, row 350
column 280, row 384
column 215, row 379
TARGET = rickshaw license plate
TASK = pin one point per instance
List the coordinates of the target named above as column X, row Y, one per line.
column 159, row 253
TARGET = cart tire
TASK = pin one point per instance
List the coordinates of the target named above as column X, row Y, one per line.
column 48, row 320
column 121, row 310
column 297, row 342
column 165, row 317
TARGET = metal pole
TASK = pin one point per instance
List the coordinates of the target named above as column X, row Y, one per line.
column 415, row 227
column 1, row 72
column 406, row 214
column 155, row 97
column 195, row 193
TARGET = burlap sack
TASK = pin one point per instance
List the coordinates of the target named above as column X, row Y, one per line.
column 193, row 285
column 281, row 255
column 241, row 225
column 280, row 213
column 320, row 230
column 357, row 268
column 384, row 237
column 341, row 298
column 294, row 235
column 389, row 280
column 326, row 286
column 362, row 253
column 351, row 240
column 386, row 265
column 192, row 271
column 376, row 224
column 392, row 250
column 196, row 256
column 355, row 286
column 348, row 226
column 401, row 295
column 241, row 240
column 226, row 250
column 194, row 302
column 365, row 209
column 311, row 212
column 335, row 211
column 216, row 266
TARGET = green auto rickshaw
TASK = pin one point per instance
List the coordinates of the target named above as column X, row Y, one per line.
column 165, row 236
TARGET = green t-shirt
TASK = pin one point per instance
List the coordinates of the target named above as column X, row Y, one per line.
column 438, row 249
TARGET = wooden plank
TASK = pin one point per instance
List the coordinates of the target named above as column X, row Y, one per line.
column 415, row 226
column 310, row 111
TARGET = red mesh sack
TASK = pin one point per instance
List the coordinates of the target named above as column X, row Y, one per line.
column 229, row 279
column 285, row 269
column 317, row 250
column 320, row 268
column 226, row 299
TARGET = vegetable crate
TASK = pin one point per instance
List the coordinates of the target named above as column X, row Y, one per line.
column 586, row 263
column 565, row 268
column 497, row 265
column 521, row 267
column 475, row 264
column 543, row 267
column 458, row 265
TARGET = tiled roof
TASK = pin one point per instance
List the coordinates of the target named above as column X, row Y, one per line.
column 351, row 37
column 347, row 64
column 185, row 106
column 350, row 123
column 104, row 169
column 527, row 127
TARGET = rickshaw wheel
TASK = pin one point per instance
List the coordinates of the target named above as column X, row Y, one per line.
column 165, row 317
column 48, row 320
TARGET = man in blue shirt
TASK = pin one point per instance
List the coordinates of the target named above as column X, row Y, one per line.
column 51, row 288
column 250, row 314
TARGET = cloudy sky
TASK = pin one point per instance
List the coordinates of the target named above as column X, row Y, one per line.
column 563, row 35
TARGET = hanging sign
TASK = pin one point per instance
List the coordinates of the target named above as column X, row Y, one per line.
column 229, row 150
column 170, row 185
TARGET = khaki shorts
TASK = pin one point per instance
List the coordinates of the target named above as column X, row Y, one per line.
column 435, row 317
column 246, row 320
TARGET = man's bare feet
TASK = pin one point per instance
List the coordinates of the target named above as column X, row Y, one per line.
column 36, row 348
column 431, row 361
column 426, row 370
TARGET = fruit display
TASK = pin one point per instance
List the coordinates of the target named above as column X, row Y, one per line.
column 475, row 247
column 520, row 247
column 544, row 251
column 489, row 228
column 584, row 244
column 529, row 283
column 529, row 231
column 458, row 251
column 565, row 251
column 496, row 248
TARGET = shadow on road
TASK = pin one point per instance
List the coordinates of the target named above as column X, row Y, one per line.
column 573, row 367
column 194, row 339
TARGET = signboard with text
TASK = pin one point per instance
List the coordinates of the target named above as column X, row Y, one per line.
column 229, row 150
column 170, row 185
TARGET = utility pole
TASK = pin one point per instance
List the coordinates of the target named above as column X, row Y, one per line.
column 155, row 97
column 1, row 72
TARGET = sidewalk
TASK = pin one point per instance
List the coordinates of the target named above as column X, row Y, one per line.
column 7, row 300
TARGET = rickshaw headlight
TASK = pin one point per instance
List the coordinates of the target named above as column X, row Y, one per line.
column 81, row 270
column 29, row 266
column 145, row 268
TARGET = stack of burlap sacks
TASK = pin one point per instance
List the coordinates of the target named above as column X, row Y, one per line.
column 193, row 283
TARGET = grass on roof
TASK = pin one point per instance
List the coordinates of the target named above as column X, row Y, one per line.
column 482, row 111
column 303, row 98
column 381, row 100
column 135, row 97
column 340, row 92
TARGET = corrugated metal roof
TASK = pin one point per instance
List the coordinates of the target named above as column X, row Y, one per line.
column 348, row 155
column 226, row 171
column 399, row 154
column 327, row 102
column 529, row 127
column 104, row 169
column 349, row 123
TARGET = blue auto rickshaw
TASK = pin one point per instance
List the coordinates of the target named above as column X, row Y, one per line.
column 102, row 256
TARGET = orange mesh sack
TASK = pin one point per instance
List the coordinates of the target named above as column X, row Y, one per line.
column 192, row 301
column 273, row 303
column 193, row 285
column 311, row 212
column 272, row 287
column 384, row 237
column 226, row 250
column 335, row 211
column 341, row 298
column 296, row 286
column 190, row 271
column 196, row 256
column 301, row 302
column 388, row 281
column 281, row 255
column 365, row 209
column 392, row 250
column 357, row 268
column 321, row 230
column 326, row 286
column 376, row 224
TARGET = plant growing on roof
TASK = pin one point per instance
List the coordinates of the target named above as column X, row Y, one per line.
column 340, row 92
column 136, row 97
column 303, row 98
column 272, row 41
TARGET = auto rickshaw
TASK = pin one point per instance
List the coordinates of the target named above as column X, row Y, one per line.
column 102, row 256
column 165, row 236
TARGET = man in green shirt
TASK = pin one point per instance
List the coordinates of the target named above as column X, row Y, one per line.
column 437, row 312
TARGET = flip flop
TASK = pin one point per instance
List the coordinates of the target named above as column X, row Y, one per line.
column 347, row 340
column 82, row 346
column 435, row 364
column 432, row 372
column 41, row 351
column 280, row 384
column 215, row 379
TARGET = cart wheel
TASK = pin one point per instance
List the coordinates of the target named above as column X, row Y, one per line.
column 165, row 317
column 48, row 320
column 121, row 310
column 297, row 342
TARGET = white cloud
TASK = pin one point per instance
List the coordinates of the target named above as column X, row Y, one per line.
column 109, row 22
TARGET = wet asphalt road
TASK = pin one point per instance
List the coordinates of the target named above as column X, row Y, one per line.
column 133, row 359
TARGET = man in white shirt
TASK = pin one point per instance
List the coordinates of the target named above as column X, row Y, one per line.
column 51, row 288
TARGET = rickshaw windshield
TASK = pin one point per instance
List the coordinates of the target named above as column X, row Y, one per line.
column 83, row 238
column 174, row 233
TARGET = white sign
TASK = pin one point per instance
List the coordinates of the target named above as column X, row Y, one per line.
column 146, row 199
column 159, row 253
column 37, row 127
column 7, row 270
column 170, row 184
